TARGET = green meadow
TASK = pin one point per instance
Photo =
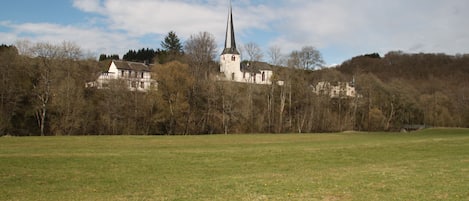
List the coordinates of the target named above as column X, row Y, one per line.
column 426, row 165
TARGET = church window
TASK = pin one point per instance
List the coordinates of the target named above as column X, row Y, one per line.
column 233, row 58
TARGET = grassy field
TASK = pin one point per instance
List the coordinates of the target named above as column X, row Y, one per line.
column 425, row 165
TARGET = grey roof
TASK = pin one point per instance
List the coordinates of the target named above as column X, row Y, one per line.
column 255, row 67
column 230, row 42
column 127, row 65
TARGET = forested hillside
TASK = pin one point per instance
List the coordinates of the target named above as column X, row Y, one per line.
column 432, row 88
column 42, row 92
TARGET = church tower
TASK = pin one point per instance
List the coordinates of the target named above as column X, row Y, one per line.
column 230, row 60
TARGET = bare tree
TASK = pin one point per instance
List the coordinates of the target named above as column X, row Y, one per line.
column 294, row 59
column 201, row 51
column 24, row 47
column 253, row 51
column 70, row 50
column 275, row 54
column 174, row 88
column 309, row 58
column 51, row 58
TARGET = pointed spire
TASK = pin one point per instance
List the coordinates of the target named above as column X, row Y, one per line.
column 230, row 43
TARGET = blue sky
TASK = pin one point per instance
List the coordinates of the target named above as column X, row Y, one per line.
column 340, row 29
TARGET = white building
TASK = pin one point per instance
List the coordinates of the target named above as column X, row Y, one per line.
column 335, row 90
column 230, row 61
column 136, row 75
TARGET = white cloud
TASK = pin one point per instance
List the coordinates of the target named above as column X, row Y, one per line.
column 366, row 25
column 159, row 17
column 185, row 17
column 88, row 5
column 342, row 28
column 90, row 39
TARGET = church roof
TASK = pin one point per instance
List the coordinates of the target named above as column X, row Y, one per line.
column 255, row 67
column 230, row 42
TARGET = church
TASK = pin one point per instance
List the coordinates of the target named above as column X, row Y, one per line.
column 231, row 65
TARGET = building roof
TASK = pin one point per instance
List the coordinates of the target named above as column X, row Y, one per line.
column 230, row 42
column 127, row 65
column 255, row 67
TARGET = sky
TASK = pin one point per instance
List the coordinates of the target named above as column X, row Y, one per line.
column 339, row 29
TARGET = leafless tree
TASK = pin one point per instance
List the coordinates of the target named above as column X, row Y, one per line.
column 51, row 58
column 201, row 52
column 253, row 51
column 275, row 54
column 309, row 58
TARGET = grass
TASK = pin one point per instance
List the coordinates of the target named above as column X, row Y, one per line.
column 426, row 165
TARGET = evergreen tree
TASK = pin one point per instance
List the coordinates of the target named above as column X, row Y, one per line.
column 143, row 55
column 172, row 44
column 104, row 57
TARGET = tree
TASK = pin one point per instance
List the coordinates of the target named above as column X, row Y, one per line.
column 309, row 58
column 68, row 107
column 113, row 109
column 253, row 51
column 50, row 59
column 104, row 57
column 47, row 54
column 70, row 50
column 144, row 55
column 14, row 87
column 172, row 44
column 275, row 55
column 174, row 87
column 201, row 52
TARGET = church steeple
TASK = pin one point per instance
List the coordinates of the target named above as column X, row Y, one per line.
column 230, row 43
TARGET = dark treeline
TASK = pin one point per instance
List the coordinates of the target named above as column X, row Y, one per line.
column 43, row 92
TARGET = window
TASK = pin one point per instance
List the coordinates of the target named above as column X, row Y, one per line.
column 233, row 58
column 141, row 75
column 122, row 73
column 254, row 75
column 142, row 85
column 134, row 85
column 244, row 75
column 232, row 76
column 263, row 76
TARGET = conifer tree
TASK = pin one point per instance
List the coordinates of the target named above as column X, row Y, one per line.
column 172, row 44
